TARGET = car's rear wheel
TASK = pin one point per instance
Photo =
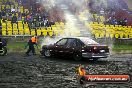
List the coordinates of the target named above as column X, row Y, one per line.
column 47, row 53
column 77, row 57
column 4, row 51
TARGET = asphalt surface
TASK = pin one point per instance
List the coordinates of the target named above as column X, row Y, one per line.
column 20, row 71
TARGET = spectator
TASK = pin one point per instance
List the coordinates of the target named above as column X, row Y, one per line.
column 10, row 17
column 3, row 13
column 125, row 22
column 0, row 15
column 19, row 16
column 98, row 19
column 14, row 19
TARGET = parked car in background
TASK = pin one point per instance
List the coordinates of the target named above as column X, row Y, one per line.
column 76, row 47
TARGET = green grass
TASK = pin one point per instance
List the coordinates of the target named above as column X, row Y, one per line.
column 14, row 46
column 122, row 47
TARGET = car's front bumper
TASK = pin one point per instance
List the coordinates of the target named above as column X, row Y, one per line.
column 93, row 55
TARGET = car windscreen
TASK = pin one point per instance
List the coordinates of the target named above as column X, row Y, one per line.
column 88, row 41
column 61, row 42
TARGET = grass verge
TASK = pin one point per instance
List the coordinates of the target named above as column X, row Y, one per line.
column 122, row 47
column 14, row 46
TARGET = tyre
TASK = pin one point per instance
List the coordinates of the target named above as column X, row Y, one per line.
column 4, row 51
column 47, row 53
column 77, row 57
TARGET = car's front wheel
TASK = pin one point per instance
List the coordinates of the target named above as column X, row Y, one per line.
column 47, row 53
column 77, row 57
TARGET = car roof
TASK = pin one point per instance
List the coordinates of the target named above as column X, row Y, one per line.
column 79, row 38
column 85, row 40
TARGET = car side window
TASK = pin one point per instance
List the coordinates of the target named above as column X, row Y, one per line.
column 79, row 44
column 61, row 42
column 71, row 42
column 74, row 43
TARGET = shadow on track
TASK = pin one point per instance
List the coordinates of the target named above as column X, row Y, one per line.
column 72, row 61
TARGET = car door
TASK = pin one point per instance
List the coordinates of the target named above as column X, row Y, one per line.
column 70, row 47
column 76, row 47
column 59, row 47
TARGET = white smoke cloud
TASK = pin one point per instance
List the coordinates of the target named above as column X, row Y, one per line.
column 49, row 40
column 48, row 4
column 72, row 28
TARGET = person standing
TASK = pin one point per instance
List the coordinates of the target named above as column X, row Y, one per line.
column 14, row 19
column 31, row 47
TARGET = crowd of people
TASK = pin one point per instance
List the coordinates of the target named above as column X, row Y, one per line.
column 35, row 16
column 33, row 19
column 114, row 12
column 114, row 21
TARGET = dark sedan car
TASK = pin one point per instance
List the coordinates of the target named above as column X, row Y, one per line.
column 76, row 47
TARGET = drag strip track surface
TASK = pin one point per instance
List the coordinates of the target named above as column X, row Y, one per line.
column 20, row 71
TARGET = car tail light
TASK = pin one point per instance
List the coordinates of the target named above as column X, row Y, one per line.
column 95, row 48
